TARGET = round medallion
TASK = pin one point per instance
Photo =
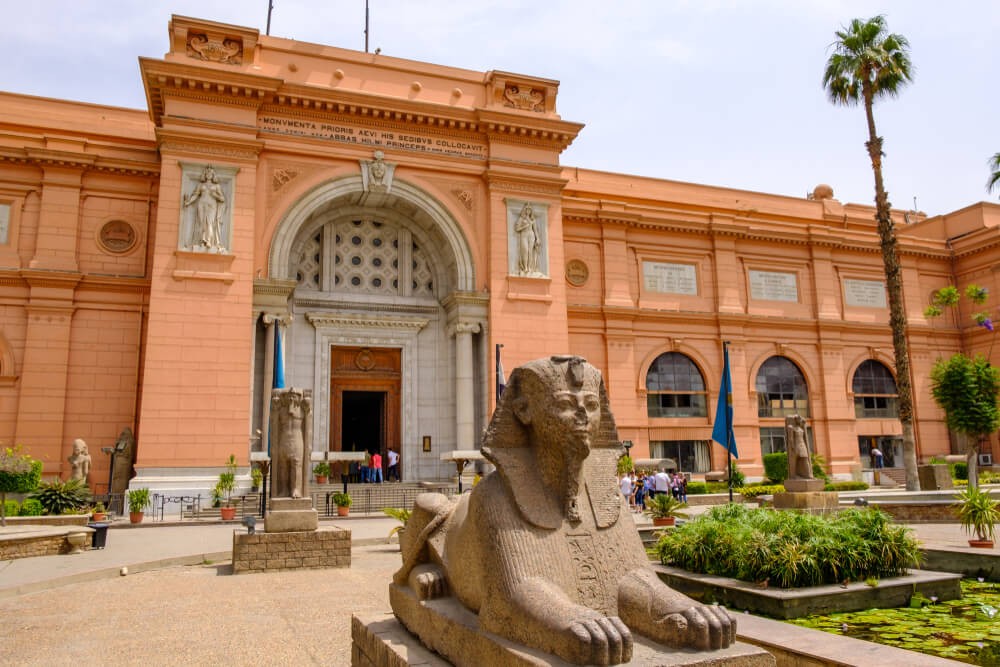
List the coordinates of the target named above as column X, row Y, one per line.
column 117, row 236
column 365, row 360
column 577, row 272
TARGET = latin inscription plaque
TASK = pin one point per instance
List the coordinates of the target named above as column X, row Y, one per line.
column 773, row 286
column 670, row 278
column 864, row 293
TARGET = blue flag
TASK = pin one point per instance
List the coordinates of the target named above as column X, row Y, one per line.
column 279, row 360
column 722, row 431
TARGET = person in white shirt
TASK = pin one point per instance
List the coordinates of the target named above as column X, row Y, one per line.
column 661, row 482
column 626, row 487
column 393, row 472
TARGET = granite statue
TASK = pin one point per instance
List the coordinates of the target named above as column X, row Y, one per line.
column 291, row 442
column 797, row 445
column 543, row 550
column 79, row 461
column 121, row 461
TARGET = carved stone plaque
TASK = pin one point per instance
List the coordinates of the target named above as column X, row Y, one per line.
column 117, row 236
column 670, row 278
column 577, row 272
column 864, row 293
column 773, row 286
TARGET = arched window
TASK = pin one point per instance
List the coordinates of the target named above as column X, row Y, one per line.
column 675, row 388
column 781, row 389
column 874, row 391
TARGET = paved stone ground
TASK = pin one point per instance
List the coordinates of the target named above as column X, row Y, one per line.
column 199, row 615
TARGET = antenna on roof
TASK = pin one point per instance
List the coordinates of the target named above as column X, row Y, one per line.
column 366, row 26
column 270, row 8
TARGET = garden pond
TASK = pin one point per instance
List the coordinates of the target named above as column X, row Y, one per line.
column 967, row 629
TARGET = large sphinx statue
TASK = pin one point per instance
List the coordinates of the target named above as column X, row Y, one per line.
column 291, row 442
column 544, row 551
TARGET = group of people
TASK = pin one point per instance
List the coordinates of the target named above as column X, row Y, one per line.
column 637, row 487
column 371, row 468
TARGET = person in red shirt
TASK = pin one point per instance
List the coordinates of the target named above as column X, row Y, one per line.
column 376, row 469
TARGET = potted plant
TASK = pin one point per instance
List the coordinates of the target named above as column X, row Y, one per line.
column 665, row 509
column 402, row 515
column 322, row 472
column 99, row 513
column 226, row 485
column 256, row 479
column 138, row 501
column 343, row 502
column 978, row 514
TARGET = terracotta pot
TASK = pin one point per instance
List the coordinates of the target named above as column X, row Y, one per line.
column 228, row 513
column 135, row 517
column 321, row 479
column 663, row 520
column 981, row 544
column 342, row 511
column 98, row 516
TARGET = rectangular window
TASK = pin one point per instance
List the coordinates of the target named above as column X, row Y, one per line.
column 689, row 455
column 676, row 405
column 875, row 407
column 4, row 223
column 772, row 440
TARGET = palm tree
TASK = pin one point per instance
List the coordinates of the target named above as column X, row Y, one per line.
column 869, row 63
column 994, row 173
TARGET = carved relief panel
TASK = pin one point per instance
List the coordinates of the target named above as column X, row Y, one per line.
column 527, row 239
column 206, row 223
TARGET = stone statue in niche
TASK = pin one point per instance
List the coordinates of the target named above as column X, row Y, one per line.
column 209, row 201
column 799, row 460
column 291, row 442
column 529, row 242
column 79, row 461
column 543, row 550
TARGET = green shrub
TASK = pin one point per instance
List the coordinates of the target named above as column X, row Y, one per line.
column 31, row 507
column 751, row 492
column 790, row 549
column 11, row 508
column 19, row 473
column 738, row 478
column 960, row 470
column 845, row 486
column 625, row 465
column 776, row 467
column 59, row 497
column 819, row 468
column 937, row 459
column 697, row 488
column 988, row 476
column 714, row 487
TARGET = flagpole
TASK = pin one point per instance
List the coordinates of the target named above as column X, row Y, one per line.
column 729, row 430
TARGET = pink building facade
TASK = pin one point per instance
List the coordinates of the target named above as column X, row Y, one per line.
column 377, row 226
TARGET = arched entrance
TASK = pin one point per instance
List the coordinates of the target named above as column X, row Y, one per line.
column 380, row 322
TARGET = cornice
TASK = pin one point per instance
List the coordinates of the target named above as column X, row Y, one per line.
column 47, row 158
column 361, row 321
column 185, row 142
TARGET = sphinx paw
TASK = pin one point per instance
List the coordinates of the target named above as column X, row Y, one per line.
column 428, row 582
column 601, row 640
column 704, row 627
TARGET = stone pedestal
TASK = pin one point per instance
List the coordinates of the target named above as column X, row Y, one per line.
column 289, row 515
column 934, row 477
column 311, row 549
column 814, row 502
column 804, row 485
column 380, row 640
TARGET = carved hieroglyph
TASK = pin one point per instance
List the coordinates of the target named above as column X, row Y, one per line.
column 543, row 550
column 291, row 442
column 79, row 460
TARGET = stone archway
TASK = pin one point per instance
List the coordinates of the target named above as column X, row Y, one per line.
column 391, row 271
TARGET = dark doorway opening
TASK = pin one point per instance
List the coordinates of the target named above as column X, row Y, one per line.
column 362, row 421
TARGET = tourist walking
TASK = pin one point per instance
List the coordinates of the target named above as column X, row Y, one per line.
column 392, row 474
column 376, row 469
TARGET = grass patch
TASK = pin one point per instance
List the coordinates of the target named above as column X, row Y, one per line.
column 789, row 549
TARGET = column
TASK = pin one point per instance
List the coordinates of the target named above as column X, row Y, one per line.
column 265, row 395
column 465, row 434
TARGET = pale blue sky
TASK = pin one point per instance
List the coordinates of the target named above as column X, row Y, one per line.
column 706, row 91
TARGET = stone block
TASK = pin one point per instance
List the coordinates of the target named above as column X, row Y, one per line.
column 934, row 477
column 291, row 504
column 804, row 485
column 387, row 643
column 286, row 521
column 823, row 502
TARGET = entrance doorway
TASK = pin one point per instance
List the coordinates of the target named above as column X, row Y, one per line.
column 364, row 402
column 890, row 446
column 362, row 426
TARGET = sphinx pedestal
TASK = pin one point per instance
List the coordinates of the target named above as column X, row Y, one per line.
column 381, row 640
column 291, row 540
